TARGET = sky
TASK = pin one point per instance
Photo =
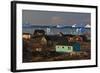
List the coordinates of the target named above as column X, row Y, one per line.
column 51, row 17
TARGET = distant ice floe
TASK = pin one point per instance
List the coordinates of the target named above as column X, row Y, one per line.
column 74, row 25
column 82, row 25
column 87, row 26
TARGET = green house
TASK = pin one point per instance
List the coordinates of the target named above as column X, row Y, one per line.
column 63, row 48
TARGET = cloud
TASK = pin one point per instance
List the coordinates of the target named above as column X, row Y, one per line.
column 71, row 21
column 87, row 21
column 57, row 20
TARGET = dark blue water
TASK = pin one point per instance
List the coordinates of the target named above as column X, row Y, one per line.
column 54, row 30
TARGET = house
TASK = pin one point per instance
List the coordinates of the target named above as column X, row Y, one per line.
column 26, row 36
column 63, row 48
column 74, row 47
